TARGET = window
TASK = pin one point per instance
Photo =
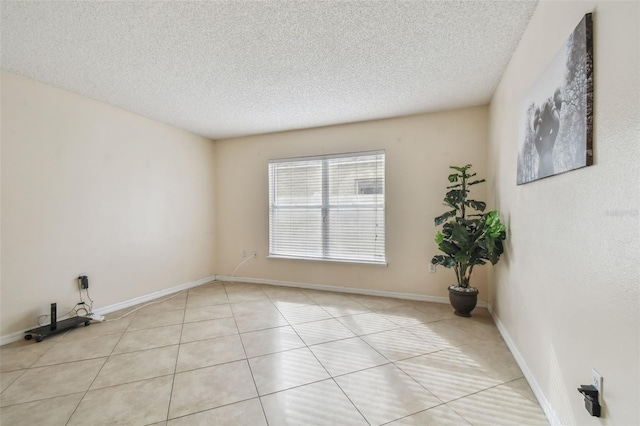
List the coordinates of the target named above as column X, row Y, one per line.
column 328, row 208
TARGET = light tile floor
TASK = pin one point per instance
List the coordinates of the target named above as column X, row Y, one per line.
column 246, row 354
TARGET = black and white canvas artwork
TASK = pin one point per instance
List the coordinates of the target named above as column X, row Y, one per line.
column 557, row 113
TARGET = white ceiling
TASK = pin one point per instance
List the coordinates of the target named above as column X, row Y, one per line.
column 231, row 68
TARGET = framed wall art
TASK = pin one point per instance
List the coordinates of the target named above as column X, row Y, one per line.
column 556, row 119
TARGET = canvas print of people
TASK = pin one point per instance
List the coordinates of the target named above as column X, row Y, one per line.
column 556, row 120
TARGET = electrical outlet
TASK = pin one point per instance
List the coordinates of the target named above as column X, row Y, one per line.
column 244, row 253
column 83, row 282
column 432, row 267
column 596, row 380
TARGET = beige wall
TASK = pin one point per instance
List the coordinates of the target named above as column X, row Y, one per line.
column 567, row 292
column 419, row 150
column 89, row 188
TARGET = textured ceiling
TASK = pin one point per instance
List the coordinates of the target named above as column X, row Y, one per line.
column 231, row 68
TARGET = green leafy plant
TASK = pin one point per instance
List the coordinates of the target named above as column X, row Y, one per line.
column 467, row 239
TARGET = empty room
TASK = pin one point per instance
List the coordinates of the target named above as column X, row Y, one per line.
column 320, row 213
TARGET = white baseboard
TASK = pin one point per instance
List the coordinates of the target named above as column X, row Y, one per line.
column 542, row 399
column 338, row 289
column 9, row 338
column 322, row 287
column 13, row 337
column 152, row 296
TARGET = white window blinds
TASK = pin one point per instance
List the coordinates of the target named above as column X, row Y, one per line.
column 328, row 208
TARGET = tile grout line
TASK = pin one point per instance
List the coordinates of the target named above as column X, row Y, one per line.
column 175, row 365
column 308, row 347
column 331, row 377
column 246, row 359
column 99, row 370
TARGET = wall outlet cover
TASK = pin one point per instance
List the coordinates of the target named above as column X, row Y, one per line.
column 596, row 380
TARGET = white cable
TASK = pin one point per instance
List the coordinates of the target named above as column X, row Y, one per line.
column 77, row 312
column 145, row 305
column 242, row 263
column 89, row 311
column 90, row 299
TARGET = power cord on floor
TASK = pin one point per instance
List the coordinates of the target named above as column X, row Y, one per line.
column 242, row 263
column 81, row 308
column 145, row 305
column 75, row 310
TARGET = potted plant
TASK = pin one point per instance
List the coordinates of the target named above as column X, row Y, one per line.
column 466, row 239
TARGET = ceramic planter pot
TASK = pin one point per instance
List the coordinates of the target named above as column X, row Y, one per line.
column 463, row 302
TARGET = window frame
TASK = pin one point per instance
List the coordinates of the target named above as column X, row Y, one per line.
column 325, row 207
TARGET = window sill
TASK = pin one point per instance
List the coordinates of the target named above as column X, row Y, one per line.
column 314, row 259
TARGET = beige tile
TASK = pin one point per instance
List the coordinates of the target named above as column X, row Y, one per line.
column 208, row 313
column 277, row 290
column 245, row 296
column 245, row 413
column 260, row 321
column 111, row 326
column 445, row 375
column 320, row 296
column 205, row 353
column 318, row 404
column 435, row 311
column 269, row 341
column 521, row 386
column 284, row 294
column 347, row 356
column 367, row 323
column 153, row 319
column 209, row 289
column 385, row 393
column 26, row 344
column 377, row 303
column 443, row 334
column 441, row 416
column 480, row 325
column 91, row 346
column 199, row 301
column 122, row 315
column 134, row 366
column 214, row 384
column 303, row 314
column 342, row 306
column 9, row 377
column 23, row 354
column 137, row 403
column 244, row 292
column 253, row 307
column 492, row 358
column 284, row 370
column 323, row 331
column 289, row 305
column 55, row 380
column 233, row 287
column 148, row 339
column 81, row 331
column 209, row 329
column 211, row 387
column 176, row 303
column 499, row 406
column 406, row 316
column 52, row 411
column 399, row 344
